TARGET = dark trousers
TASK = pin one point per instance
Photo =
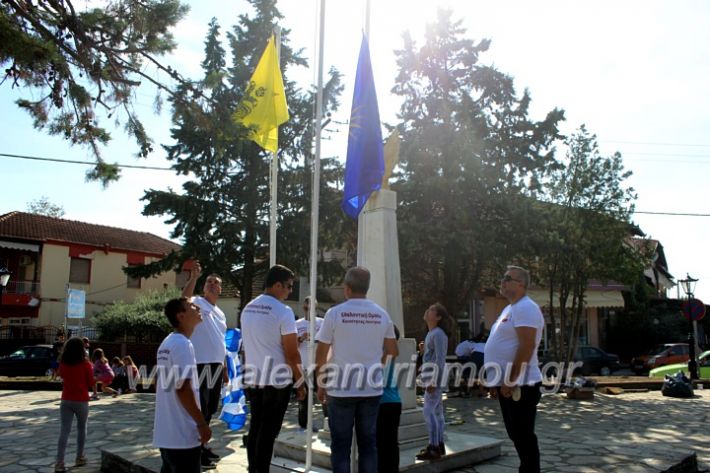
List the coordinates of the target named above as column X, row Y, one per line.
column 343, row 414
column 387, row 437
column 519, row 419
column 268, row 407
column 180, row 460
column 210, row 388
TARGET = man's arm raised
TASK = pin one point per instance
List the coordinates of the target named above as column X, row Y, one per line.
column 189, row 288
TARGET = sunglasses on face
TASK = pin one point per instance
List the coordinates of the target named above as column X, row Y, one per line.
column 508, row 278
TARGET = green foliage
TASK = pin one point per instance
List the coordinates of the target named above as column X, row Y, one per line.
column 584, row 234
column 222, row 211
column 43, row 206
column 76, row 63
column 470, row 158
column 142, row 319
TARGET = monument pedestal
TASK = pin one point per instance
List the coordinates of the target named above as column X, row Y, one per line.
column 378, row 251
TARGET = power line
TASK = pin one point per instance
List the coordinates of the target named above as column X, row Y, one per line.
column 654, row 144
column 676, row 214
column 68, row 161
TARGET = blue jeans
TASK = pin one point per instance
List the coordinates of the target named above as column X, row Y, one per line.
column 343, row 413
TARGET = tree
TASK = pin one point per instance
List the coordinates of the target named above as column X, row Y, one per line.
column 586, row 234
column 142, row 319
column 83, row 61
column 222, row 213
column 43, row 206
column 470, row 154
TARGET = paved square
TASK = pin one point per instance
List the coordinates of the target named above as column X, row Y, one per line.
column 626, row 433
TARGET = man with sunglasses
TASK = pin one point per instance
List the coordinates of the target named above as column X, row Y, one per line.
column 512, row 372
column 271, row 364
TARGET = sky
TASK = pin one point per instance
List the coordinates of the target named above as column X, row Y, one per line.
column 635, row 72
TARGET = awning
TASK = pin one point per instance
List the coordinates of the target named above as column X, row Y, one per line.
column 14, row 245
column 592, row 298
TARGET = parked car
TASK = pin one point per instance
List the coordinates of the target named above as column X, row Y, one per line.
column 661, row 355
column 595, row 361
column 31, row 360
column 703, row 367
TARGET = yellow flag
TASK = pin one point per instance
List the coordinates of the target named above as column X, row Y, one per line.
column 264, row 107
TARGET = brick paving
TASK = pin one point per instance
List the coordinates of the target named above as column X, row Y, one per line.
column 630, row 432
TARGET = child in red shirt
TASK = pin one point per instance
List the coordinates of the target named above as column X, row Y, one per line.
column 78, row 378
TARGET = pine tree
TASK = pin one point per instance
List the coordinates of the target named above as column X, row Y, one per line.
column 78, row 62
column 222, row 215
column 470, row 157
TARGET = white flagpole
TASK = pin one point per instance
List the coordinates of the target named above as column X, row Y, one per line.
column 274, row 173
column 314, row 228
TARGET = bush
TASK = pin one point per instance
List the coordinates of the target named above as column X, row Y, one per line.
column 143, row 319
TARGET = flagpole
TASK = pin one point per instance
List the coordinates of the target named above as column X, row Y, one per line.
column 314, row 228
column 274, row 175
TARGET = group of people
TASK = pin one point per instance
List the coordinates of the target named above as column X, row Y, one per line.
column 353, row 376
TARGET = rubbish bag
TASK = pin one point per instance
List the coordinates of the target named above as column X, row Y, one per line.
column 677, row 385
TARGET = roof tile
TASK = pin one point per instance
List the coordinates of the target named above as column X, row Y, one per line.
column 27, row 226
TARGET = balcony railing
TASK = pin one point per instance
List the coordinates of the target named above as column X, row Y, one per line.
column 22, row 287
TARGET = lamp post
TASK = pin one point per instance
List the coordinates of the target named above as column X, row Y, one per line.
column 4, row 279
column 688, row 285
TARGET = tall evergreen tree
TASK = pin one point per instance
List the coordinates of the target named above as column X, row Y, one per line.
column 79, row 61
column 469, row 155
column 222, row 215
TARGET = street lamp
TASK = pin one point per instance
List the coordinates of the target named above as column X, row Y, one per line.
column 688, row 285
column 4, row 279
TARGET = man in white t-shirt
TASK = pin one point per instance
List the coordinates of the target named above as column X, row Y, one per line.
column 271, row 364
column 210, row 348
column 179, row 429
column 303, row 332
column 356, row 333
column 512, row 371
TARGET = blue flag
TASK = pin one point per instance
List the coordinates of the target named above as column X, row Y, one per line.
column 234, row 405
column 365, row 164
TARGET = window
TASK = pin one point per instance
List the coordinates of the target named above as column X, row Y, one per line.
column 134, row 283
column 80, row 270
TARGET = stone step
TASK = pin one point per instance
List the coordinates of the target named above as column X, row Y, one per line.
column 461, row 450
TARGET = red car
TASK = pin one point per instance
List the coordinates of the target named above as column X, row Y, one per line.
column 666, row 354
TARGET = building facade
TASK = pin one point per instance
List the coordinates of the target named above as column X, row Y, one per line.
column 48, row 255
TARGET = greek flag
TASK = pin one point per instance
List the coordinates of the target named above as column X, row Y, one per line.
column 234, row 405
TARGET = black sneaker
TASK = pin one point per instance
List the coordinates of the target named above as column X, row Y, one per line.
column 209, row 453
column 206, row 463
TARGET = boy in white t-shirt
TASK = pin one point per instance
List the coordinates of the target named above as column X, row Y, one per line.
column 179, row 429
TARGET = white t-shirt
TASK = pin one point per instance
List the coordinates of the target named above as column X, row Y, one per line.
column 208, row 337
column 173, row 427
column 264, row 321
column 356, row 331
column 502, row 344
column 302, row 326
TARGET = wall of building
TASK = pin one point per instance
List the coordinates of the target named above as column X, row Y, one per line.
column 107, row 283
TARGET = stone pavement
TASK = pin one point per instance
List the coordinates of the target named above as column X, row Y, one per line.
column 626, row 433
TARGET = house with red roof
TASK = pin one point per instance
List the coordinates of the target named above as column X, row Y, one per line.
column 48, row 255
